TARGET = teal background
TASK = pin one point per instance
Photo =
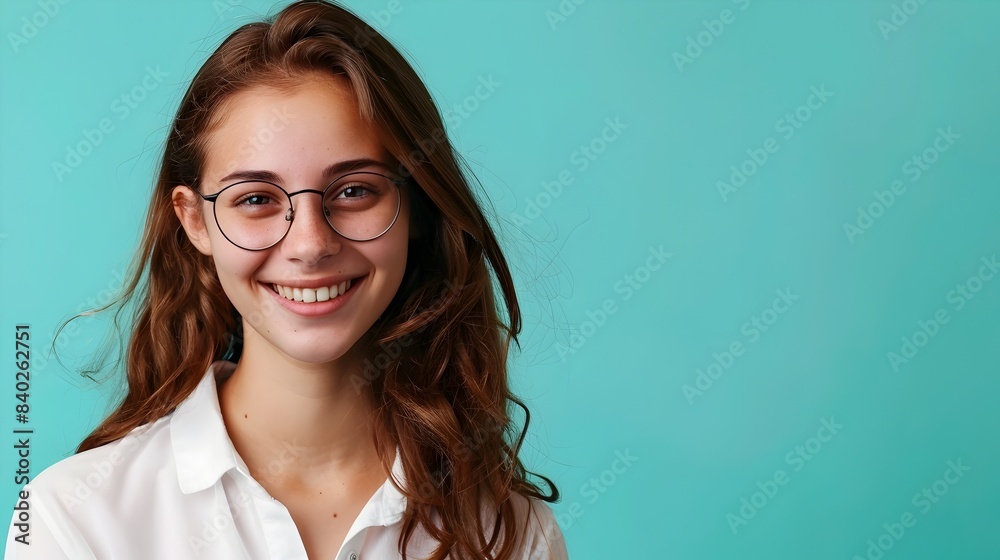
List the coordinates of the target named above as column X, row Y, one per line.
column 617, row 384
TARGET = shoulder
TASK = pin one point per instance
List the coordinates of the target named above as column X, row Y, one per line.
column 104, row 470
column 539, row 533
column 81, row 494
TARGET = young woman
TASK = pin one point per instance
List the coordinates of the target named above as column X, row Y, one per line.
column 317, row 363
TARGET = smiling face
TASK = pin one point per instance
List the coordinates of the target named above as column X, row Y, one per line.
column 298, row 139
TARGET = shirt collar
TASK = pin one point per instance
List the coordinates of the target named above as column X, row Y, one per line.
column 203, row 451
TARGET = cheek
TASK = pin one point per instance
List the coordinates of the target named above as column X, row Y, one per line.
column 233, row 265
column 388, row 258
column 392, row 254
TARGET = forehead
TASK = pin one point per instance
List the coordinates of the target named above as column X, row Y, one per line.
column 295, row 129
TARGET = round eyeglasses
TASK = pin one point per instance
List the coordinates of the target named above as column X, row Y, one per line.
column 256, row 215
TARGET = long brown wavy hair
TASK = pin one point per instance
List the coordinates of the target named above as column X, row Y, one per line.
column 440, row 391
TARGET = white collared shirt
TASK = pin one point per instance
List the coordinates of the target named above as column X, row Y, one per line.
column 176, row 488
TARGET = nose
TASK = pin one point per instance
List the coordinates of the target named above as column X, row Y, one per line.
column 310, row 237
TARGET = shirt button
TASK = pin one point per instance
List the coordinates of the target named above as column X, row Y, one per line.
column 352, row 556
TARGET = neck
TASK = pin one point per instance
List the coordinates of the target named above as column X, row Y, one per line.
column 297, row 423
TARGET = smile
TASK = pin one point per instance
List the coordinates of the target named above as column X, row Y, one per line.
column 312, row 295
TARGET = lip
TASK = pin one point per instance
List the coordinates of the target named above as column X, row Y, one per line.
column 317, row 309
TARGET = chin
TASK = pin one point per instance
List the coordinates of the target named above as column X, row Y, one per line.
column 316, row 352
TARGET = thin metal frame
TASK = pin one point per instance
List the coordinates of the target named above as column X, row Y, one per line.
column 291, row 210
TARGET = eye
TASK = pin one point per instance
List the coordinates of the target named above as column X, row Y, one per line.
column 356, row 190
column 254, row 199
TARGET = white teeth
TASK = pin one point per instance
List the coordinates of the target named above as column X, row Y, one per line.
column 310, row 295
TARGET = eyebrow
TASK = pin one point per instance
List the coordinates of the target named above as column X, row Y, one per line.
column 338, row 168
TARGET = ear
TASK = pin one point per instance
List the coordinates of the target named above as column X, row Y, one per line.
column 186, row 205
